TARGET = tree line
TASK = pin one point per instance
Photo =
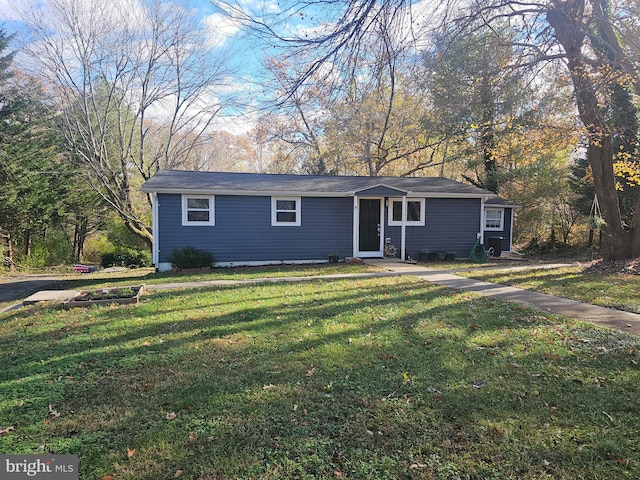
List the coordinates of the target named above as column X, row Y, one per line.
column 509, row 86
column 536, row 101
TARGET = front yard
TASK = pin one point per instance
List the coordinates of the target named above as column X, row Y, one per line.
column 610, row 290
column 368, row 378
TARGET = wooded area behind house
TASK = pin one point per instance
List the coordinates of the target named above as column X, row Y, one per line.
column 536, row 101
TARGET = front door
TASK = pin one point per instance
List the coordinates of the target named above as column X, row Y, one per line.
column 369, row 227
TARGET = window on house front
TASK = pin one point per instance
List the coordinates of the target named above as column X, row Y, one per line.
column 415, row 212
column 494, row 219
column 197, row 210
column 285, row 211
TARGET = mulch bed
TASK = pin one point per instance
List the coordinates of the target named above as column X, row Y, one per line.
column 625, row 267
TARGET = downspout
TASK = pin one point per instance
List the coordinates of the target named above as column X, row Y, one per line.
column 482, row 220
column 511, row 231
column 355, row 226
column 155, row 227
column 403, row 234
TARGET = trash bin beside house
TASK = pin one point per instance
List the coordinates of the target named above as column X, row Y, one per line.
column 495, row 247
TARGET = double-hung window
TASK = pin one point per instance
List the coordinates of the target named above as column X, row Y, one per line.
column 415, row 212
column 494, row 219
column 285, row 211
column 198, row 210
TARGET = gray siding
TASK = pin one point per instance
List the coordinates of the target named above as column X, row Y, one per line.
column 451, row 224
column 243, row 231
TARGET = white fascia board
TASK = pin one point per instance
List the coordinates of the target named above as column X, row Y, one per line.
column 363, row 191
column 446, row 195
column 289, row 193
column 249, row 193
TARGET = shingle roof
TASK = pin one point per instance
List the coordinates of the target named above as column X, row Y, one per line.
column 501, row 202
column 179, row 181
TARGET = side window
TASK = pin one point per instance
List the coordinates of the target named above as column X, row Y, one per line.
column 494, row 219
column 285, row 211
column 197, row 210
column 415, row 212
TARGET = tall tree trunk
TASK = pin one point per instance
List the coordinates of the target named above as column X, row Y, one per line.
column 615, row 239
column 634, row 241
column 487, row 136
column 565, row 17
column 7, row 255
column 27, row 243
column 79, row 237
column 12, row 265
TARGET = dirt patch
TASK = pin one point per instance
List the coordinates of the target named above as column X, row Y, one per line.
column 623, row 267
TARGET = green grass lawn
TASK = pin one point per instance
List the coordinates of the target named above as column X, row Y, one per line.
column 386, row 378
column 149, row 277
column 608, row 290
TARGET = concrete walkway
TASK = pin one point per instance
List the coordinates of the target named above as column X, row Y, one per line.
column 607, row 317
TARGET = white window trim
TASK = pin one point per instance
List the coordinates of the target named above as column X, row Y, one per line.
column 187, row 223
column 494, row 229
column 394, row 223
column 274, row 212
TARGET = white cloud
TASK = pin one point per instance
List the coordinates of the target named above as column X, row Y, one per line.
column 10, row 10
column 219, row 28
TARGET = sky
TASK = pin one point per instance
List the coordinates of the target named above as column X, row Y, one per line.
column 245, row 53
column 244, row 56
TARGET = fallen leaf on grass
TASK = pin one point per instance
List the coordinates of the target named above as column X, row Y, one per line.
column 107, row 477
column 4, row 431
column 54, row 413
column 170, row 415
column 177, row 474
column 147, row 344
column 620, row 460
column 268, row 386
column 130, row 452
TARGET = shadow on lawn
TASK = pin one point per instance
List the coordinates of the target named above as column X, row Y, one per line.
column 611, row 291
column 360, row 378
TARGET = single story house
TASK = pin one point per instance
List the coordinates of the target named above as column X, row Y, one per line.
column 258, row 219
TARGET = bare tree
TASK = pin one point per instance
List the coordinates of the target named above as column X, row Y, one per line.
column 582, row 34
column 135, row 86
column 363, row 118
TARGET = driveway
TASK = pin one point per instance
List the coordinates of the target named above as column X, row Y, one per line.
column 17, row 288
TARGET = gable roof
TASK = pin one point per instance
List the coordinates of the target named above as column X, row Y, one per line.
column 182, row 181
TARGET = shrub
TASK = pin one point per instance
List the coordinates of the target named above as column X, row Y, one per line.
column 95, row 247
column 190, row 257
column 126, row 257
